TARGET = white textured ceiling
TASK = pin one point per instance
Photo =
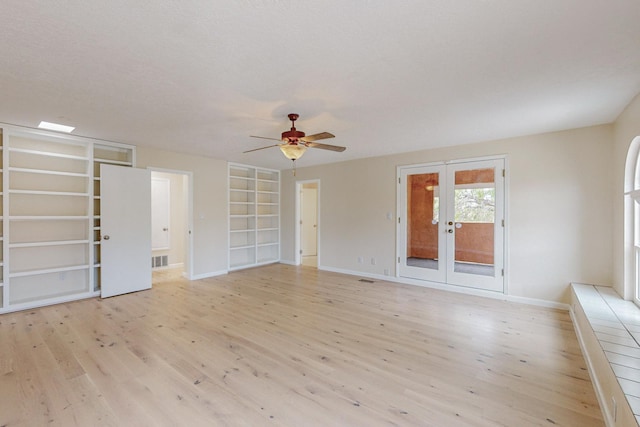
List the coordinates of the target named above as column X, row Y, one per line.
column 200, row 76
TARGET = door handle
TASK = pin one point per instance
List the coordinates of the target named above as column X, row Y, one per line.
column 450, row 230
column 165, row 229
column 106, row 237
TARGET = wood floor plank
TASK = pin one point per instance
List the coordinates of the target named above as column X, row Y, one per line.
column 290, row 346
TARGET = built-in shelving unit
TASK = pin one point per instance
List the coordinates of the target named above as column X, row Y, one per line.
column 47, row 213
column 254, row 216
column 50, row 216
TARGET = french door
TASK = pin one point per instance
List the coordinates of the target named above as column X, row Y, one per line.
column 451, row 227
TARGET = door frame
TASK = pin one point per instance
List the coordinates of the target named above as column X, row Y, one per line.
column 400, row 228
column 188, row 270
column 298, row 232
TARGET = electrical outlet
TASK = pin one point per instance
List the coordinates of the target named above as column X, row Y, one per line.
column 373, row 261
column 360, row 260
column 386, row 271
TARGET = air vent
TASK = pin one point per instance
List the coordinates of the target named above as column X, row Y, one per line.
column 159, row 261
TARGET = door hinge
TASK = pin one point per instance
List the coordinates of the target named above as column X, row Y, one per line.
column 503, row 272
column 398, row 220
column 504, row 173
column 399, row 181
column 503, row 222
column 398, row 260
column 300, row 251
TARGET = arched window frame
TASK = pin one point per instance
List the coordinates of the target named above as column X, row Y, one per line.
column 631, row 261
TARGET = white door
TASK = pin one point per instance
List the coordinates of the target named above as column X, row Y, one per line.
column 309, row 221
column 160, row 213
column 452, row 224
column 125, row 216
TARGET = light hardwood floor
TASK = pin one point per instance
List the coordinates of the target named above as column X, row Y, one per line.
column 292, row 346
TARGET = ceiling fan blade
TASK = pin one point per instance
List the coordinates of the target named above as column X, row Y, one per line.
column 325, row 146
column 317, row 136
column 264, row 137
column 261, row 148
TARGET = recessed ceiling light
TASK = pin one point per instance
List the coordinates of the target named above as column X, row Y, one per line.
column 56, row 127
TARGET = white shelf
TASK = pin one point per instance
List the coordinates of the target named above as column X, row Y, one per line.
column 262, row 245
column 47, row 153
column 49, row 270
column 234, row 248
column 49, row 193
column 48, row 172
column 113, row 162
column 47, row 218
column 51, row 243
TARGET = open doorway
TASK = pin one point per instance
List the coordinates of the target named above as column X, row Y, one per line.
column 307, row 222
column 170, row 222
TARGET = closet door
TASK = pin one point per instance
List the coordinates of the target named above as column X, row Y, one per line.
column 126, row 229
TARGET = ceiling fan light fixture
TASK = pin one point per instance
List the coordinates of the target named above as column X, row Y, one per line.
column 293, row 151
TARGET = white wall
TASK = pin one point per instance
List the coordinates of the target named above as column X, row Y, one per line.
column 559, row 209
column 209, row 205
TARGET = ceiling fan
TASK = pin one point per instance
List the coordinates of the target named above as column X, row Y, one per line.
column 295, row 143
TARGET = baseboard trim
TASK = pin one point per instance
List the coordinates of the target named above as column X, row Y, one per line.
column 451, row 288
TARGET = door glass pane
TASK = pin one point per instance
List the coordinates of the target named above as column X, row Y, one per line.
column 423, row 201
column 474, row 205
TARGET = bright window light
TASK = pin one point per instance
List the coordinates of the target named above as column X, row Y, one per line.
column 56, row 127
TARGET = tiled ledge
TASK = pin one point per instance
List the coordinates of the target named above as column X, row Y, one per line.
column 615, row 326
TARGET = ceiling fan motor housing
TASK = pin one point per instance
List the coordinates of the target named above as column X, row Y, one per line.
column 292, row 135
